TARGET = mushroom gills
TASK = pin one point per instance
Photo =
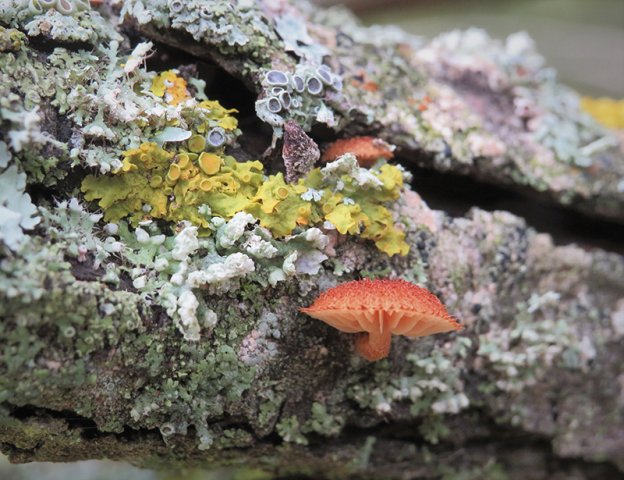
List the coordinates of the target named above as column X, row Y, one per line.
column 339, row 319
column 429, row 325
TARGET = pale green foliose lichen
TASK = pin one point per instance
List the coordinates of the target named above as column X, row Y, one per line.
column 237, row 29
column 432, row 386
column 17, row 212
column 61, row 20
column 522, row 353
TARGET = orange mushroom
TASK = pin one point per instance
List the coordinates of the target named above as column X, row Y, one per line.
column 380, row 308
column 366, row 149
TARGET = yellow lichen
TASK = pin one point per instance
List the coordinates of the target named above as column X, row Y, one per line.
column 173, row 183
column 359, row 210
column 196, row 143
column 217, row 112
column 209, row 163
column 608, row 111
column 170, row 86
column 279, row 206
column 136, row 184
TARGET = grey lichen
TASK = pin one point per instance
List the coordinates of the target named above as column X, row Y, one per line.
column 58, row 21
column 310, row 95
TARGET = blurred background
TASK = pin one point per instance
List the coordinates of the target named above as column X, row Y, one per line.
column 582, row 39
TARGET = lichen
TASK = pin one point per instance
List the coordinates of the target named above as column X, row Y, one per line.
column 309, row 95
column 62, row 20
column 290, row 430
column 607, row 111
column 11, row 40
column 170, row 86
column 17, row 212
column 173, row 310
column 197, row 181
column 324, row 423
column 521, row 353
column 431, row 386
column 230, row 29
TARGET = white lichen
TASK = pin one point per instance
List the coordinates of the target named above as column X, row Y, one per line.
column 233, row 266
column 260, row 344
column 309, row 262
column 538, row 301
column 347, row 164
column 617, row 319
column 185, row 243
column 138, row 56
column 259, row 248
column 17, row 212
column 316, row 237
column 141, row 235
column 312, row 195
column 288, row 267
column 233, row 230
column 187, row 316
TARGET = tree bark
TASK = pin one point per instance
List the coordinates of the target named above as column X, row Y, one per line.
column 94, row 365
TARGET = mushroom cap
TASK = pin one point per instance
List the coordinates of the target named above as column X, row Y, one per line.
column 366, row 149
column 379, row 305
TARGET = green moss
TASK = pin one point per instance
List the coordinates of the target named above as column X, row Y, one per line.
column 290, row 430
column 29, row 433
column 323, row 422
column 490, row 471
column 69, row 326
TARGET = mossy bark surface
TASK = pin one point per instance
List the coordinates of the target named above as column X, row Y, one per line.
column 110, row 349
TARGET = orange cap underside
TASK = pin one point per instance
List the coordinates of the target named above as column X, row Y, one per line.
column 367, row 150
column 398, row 322
column 382, row 305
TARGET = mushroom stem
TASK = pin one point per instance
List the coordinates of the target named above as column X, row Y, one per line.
column 373, row 345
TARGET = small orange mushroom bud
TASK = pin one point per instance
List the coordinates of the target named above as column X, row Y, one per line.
column 366, row 149
column 380, row 308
